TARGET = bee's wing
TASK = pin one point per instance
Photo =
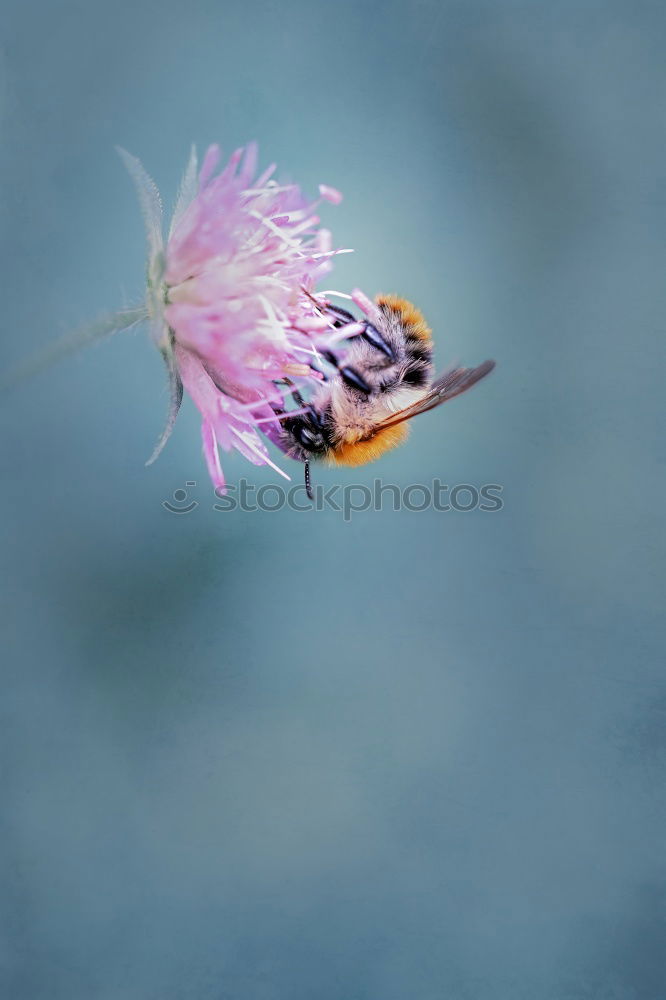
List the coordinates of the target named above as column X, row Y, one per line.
column 445, row 386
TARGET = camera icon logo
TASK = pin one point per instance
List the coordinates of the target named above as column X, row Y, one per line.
column 180, row 496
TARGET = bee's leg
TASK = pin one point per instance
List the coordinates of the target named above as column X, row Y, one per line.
column 370, row 334
column 301, row 404
column 348, row 374
column 339, row 315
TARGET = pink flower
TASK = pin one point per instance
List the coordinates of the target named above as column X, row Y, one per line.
column 227, row 297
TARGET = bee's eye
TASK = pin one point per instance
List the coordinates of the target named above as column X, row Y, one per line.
column 304, row 436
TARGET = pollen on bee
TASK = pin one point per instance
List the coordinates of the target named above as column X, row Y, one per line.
column 362, row 452
column 294, row 368
column 409, row 315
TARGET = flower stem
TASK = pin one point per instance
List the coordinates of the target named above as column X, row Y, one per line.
column 70, row 343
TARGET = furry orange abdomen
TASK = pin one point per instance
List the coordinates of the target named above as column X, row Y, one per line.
column 361, row 452
column 411, row 317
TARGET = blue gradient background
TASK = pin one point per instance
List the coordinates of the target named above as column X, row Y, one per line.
column 419, row 755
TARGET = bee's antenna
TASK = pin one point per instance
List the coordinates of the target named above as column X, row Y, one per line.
column 308, row 484
column 295, row 394
column 314, row 300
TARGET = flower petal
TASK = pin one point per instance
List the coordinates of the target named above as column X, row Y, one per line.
column 330, row 194
column 212, row 456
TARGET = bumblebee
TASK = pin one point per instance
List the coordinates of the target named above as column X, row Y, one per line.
column 387, row 377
